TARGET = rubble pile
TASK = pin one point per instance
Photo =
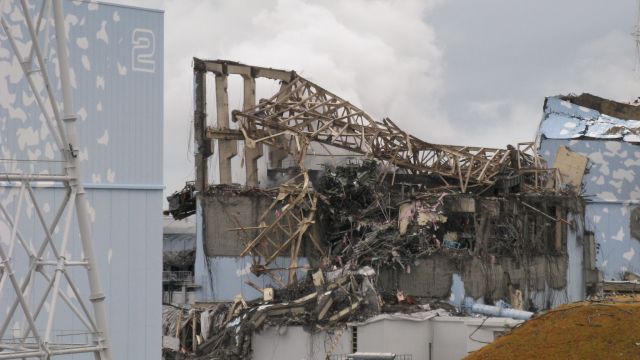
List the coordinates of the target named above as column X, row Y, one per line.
column 367, row 222
column 408, row 226
column 370, row 221
column 322, row 300
column 368, row 218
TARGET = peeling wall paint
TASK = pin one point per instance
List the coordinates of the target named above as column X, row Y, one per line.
column 120, row 124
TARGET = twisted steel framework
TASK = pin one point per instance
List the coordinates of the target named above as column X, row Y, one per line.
column 49, row 260
column 301, row 113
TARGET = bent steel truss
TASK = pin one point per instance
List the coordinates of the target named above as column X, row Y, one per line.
column 302, row 113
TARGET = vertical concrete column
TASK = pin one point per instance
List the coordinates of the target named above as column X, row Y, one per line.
column 227, row 149
column 276, row 155
column 202, row 144
column 251, row 155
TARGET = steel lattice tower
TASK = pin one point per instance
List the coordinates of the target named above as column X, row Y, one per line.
column 48, row 256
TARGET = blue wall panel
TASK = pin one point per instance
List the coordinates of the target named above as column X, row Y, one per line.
column 116, row 55
column 611, row 183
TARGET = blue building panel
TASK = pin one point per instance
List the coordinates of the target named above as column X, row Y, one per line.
column 116, row 55
column 611, row 187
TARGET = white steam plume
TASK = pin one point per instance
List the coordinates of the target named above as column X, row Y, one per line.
column 380, row 55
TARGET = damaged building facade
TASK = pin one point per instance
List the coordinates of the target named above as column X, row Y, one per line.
column 342, row 218
column 606, row 133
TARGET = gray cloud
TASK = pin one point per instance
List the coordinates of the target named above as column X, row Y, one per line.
column 503, row 57
column 451, row 71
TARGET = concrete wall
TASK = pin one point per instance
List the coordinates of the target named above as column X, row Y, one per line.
column 398, row 337
column 457, row 337
column 472, row 280
column 437, row 338
column 178, row 297
column 294, row 343
column 226, row 211
column 219, row 271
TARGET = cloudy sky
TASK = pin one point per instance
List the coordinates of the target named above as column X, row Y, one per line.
column 451, row 71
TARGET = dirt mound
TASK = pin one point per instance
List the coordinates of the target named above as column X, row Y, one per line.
column 608, row 329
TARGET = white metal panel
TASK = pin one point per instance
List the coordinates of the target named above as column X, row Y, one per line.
column 120, row 109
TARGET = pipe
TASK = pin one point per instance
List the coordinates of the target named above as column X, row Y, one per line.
column 499, row 311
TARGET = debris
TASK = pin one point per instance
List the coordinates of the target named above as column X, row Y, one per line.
column 182, row 204
column 369, row 222
column 170, row 343
column 333, row 121
column 496, row 218
column 631, row 276
column 267, row 294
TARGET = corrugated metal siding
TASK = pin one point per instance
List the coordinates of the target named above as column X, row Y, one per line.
column 124, row 173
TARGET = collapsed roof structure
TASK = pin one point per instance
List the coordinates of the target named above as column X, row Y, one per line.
column 400, row 225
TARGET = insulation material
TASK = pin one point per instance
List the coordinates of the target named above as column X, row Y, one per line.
column 571, row 166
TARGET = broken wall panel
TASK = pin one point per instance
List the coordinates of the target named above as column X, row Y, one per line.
column 228, row 212
column 563, row 119
column 491, row 281
column 428, row 278
column 571, row 166
column 229, row 276
column 611, row 191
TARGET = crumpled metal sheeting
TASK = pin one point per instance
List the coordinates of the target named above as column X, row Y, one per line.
column 182, row 203
column 564, row 120
column 212, row 318
column 170, row 316
column 416, row 317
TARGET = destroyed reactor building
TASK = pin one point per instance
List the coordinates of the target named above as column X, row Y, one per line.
column 343, row 217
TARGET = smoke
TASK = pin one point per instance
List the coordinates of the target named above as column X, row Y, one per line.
column 380, row 55
column 384, row 56
column 386, row 62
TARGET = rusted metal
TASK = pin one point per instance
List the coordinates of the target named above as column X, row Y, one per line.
column 303, row 112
